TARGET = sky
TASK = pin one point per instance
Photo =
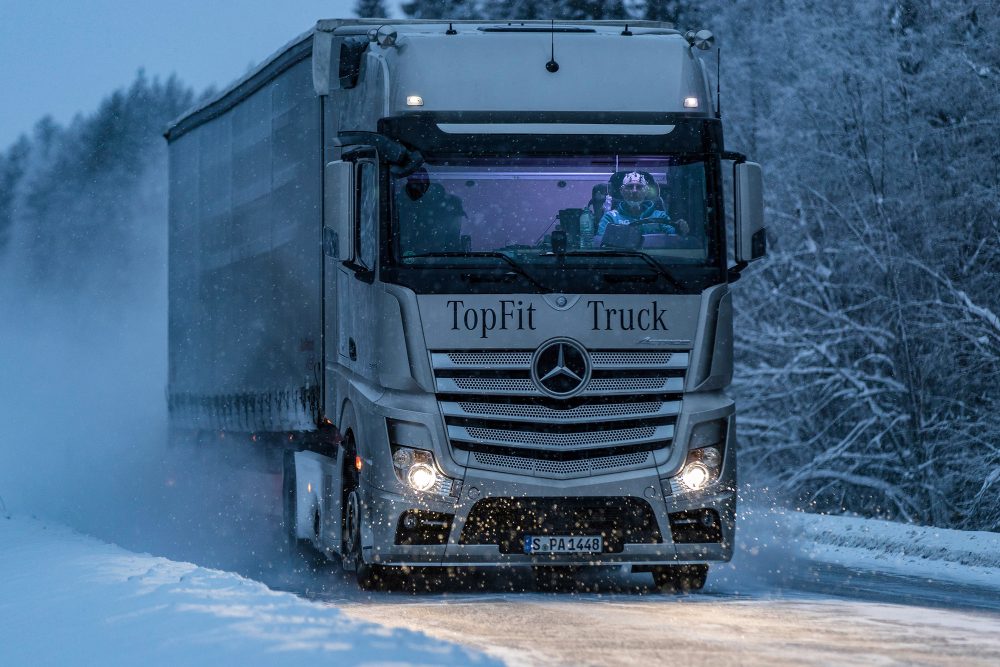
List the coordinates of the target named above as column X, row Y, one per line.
column 61, row 58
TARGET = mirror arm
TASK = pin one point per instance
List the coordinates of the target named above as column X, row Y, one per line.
column 403, row 161
column 736, row 270
column 737, row 158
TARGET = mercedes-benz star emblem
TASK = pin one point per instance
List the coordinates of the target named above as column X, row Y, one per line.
column 561, row 367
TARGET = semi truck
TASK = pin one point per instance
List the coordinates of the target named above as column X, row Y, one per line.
column 463, row 288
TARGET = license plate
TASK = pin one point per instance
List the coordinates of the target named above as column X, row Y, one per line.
column 563, row 544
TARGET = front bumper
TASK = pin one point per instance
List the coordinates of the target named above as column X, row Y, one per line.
column 384, row 509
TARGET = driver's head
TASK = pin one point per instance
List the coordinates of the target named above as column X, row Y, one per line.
column 635, row 189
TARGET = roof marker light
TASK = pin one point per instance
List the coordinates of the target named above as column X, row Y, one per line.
column 690, row 102
column 414, row 101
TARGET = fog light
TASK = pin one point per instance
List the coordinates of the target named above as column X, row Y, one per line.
column 695, row 476
column 422, row 477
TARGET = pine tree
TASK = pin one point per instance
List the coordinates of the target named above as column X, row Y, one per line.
column 370, row 9
column 13, row 164
column 79, row 203
column 443, row 9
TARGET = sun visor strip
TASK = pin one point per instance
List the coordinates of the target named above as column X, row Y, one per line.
column 503, row 133
column 553, row 128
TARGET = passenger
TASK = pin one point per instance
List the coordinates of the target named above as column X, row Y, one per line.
column 638, row 205
column 599, row 205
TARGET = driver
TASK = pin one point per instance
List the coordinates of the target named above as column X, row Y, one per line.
column 637, row 206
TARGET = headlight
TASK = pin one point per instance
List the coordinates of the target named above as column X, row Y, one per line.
column 701, row 469
column 422, row 477
column 695, row 475
column 417, row 469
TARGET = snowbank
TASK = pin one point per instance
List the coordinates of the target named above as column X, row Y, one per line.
column 936, row 554
column 70, row 599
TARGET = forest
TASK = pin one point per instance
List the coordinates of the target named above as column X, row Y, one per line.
column 868, row 342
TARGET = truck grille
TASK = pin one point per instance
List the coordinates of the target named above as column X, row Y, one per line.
column 494, row 411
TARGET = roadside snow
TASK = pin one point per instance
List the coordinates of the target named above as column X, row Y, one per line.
column 936, row 554
column 70, row 599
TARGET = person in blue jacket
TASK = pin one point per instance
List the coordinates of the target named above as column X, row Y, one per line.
column 639, row 195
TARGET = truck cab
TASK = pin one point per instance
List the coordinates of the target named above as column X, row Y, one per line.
column 526, row 317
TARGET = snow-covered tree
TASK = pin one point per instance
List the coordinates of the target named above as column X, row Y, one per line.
column 869, row 341
column 78, row 201
column 370, row 9
column 442, row 9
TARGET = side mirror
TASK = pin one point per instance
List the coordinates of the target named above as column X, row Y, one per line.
column 338, row 200
column 751, row 239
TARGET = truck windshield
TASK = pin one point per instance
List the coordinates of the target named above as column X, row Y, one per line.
column 472, row 207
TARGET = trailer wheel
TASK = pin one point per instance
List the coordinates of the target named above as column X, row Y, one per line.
column 680, row 578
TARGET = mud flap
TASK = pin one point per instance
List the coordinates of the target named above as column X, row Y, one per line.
column 319, row 486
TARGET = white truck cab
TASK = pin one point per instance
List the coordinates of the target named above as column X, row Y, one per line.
column 471, row 279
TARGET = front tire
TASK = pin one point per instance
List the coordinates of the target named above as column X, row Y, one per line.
column 369, row 576
column 680, row 578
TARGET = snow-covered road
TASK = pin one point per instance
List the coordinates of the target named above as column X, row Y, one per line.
column 816, row 591
column 819, row 590
column 706, row 629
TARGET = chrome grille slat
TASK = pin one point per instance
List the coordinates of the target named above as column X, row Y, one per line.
column 521, row 360
column 525, row 387
column 582, row 414
column 561, row 441
column 575, row 468
column 478, row 360
column 629, row 385
column 622, row 360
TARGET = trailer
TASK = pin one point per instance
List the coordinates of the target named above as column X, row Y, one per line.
column 467, row 283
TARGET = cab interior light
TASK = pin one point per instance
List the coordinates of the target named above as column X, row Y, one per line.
column 690, row 102
column 414, row 101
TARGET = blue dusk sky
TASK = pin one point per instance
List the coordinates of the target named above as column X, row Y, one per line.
column 62, row 58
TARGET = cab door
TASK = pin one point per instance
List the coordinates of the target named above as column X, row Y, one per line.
column 350, row 264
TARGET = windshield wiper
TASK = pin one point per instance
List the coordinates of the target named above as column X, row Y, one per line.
column 489, row 253
column 653, row 264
